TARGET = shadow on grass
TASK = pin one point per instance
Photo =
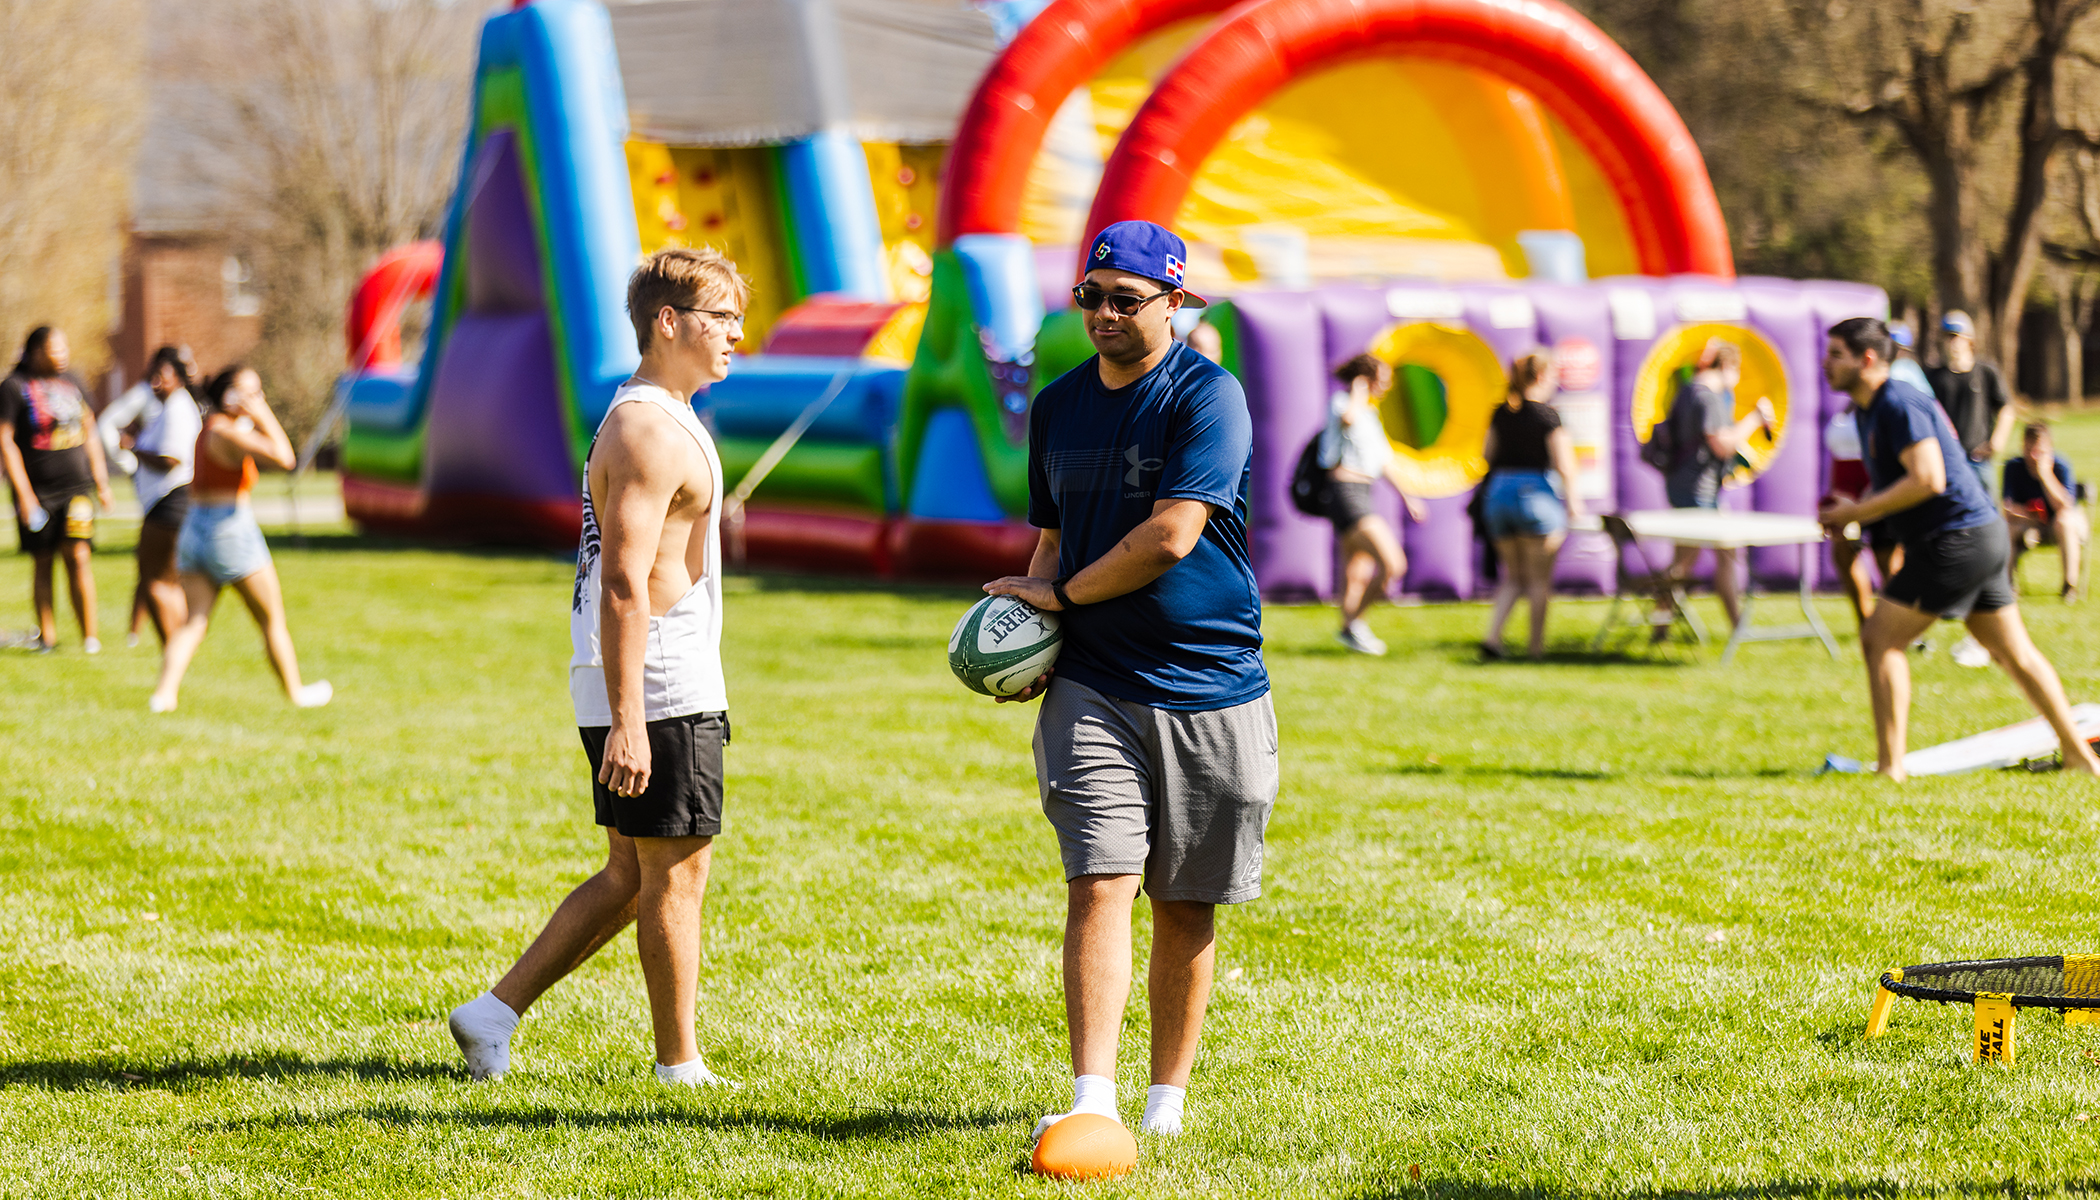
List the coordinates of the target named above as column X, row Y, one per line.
column 1404, row 1188
column 1497, row 772
column 884, row 1124
column 1572, row 773
column 83, row 1075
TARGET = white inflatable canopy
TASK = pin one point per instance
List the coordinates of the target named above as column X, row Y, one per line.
column 750, row 72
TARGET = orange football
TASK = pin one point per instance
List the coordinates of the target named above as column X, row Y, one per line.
column 1085, row 1146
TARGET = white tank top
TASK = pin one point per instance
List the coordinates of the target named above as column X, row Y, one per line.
column 682, row 664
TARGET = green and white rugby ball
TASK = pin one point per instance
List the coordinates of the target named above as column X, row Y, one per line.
column 1002, row 645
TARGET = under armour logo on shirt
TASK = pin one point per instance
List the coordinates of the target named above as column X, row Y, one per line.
column 1138, row 464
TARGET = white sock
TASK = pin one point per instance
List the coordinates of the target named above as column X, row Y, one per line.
column 482, row 1027
column 693, row 1074
column 1090, row 1094
column 1163, row 1108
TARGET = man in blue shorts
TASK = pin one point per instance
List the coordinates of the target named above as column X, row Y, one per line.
column 1155, row 751
column 1954, row 545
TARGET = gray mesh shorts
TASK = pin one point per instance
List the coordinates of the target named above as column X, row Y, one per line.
column 1182, row 798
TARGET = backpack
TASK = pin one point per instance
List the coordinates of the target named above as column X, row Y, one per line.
column 1665, row 450
column 1312, row 491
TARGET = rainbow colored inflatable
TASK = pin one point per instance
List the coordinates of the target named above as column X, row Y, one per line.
column 1445, row 183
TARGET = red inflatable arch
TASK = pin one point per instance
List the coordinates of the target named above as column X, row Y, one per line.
column 402, row 276
column 1578, row 73
column 1002, row 130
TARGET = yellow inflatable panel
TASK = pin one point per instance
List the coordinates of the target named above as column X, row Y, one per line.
column 697, row 196
column 1474, row 383
column 1600, row 221
column 906, row 182
column 1669, row 363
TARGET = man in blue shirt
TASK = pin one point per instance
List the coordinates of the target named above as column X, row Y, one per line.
column 1156, row 747
column 1954, row 545
column 2041, row 505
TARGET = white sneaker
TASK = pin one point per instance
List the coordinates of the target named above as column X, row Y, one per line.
column 1357, row 636
column 92, row 645
column 131, row 641
column 314, row 695
column 1970, row 653
column 155, row 703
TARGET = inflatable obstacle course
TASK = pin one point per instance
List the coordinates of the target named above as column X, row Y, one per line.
column 913, row 262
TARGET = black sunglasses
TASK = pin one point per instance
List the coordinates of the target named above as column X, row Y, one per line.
column 734, row 318
column 1089, row 297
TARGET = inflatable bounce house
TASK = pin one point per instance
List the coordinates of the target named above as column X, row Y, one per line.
column 1443, row 183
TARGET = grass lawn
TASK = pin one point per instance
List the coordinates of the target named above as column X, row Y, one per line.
column 1573, row 929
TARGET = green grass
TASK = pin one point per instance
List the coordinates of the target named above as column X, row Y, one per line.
column 1573, row 929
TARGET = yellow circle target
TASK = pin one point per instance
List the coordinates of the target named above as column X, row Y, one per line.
column 1472, row 382
column 1670, row 362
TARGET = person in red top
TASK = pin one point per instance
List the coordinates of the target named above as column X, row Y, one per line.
column 222, row 546
column 53, row 461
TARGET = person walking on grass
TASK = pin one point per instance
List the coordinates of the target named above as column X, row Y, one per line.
column 1707, row 434
column 1954, row 546
column 645, row 675
column 221, row 546
column 1356, row 454
column 1532, row 496
column 1155, row 750
column 164, row 454
column 54, row 466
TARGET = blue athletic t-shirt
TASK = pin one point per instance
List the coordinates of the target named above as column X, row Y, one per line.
column 1098, row 460
column 1900, row 417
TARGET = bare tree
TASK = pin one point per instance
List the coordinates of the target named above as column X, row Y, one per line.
column 69, row 121
column 1945, row 74
column 338, row 125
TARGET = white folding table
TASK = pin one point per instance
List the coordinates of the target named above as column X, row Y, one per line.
column 1717, row 530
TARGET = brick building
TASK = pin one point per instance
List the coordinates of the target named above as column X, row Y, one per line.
column 183, row 288
column 181, row 280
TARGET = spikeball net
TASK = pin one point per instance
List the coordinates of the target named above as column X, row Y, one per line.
column 1998, row 988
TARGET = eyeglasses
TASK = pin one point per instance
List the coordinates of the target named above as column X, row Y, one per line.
column 734, row 318
column 1089, row 297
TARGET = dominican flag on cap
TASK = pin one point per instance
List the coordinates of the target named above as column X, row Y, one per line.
column 1143, row 248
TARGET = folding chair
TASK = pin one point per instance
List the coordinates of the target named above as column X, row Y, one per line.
column 1647, row 590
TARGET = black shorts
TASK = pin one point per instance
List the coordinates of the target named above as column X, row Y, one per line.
column 169, row 510
column 684, row 798
column 1347, row 503
column 1955, row 573
column 71, row 518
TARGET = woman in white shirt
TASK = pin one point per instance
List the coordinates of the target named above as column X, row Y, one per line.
column 1355, row 453
column 165, row 450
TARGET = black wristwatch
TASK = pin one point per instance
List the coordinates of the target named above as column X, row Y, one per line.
column 1057, row 589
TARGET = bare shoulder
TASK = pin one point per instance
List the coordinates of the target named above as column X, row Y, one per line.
column 645, row 443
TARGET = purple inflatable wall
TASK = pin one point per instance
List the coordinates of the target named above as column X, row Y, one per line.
column 496, row 422
column 1291, row 341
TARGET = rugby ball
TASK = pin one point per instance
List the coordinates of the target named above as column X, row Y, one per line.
column 1085, row 1146
column 1002, row 644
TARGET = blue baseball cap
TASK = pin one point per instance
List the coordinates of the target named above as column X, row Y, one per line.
column 1957, row 321
column 1142, row 248
column 1899, row 333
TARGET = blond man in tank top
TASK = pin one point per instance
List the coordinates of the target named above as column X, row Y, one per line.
column 646, row 671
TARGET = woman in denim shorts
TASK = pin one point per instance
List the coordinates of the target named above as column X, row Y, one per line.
column 1531, row 496
column 221, row 545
